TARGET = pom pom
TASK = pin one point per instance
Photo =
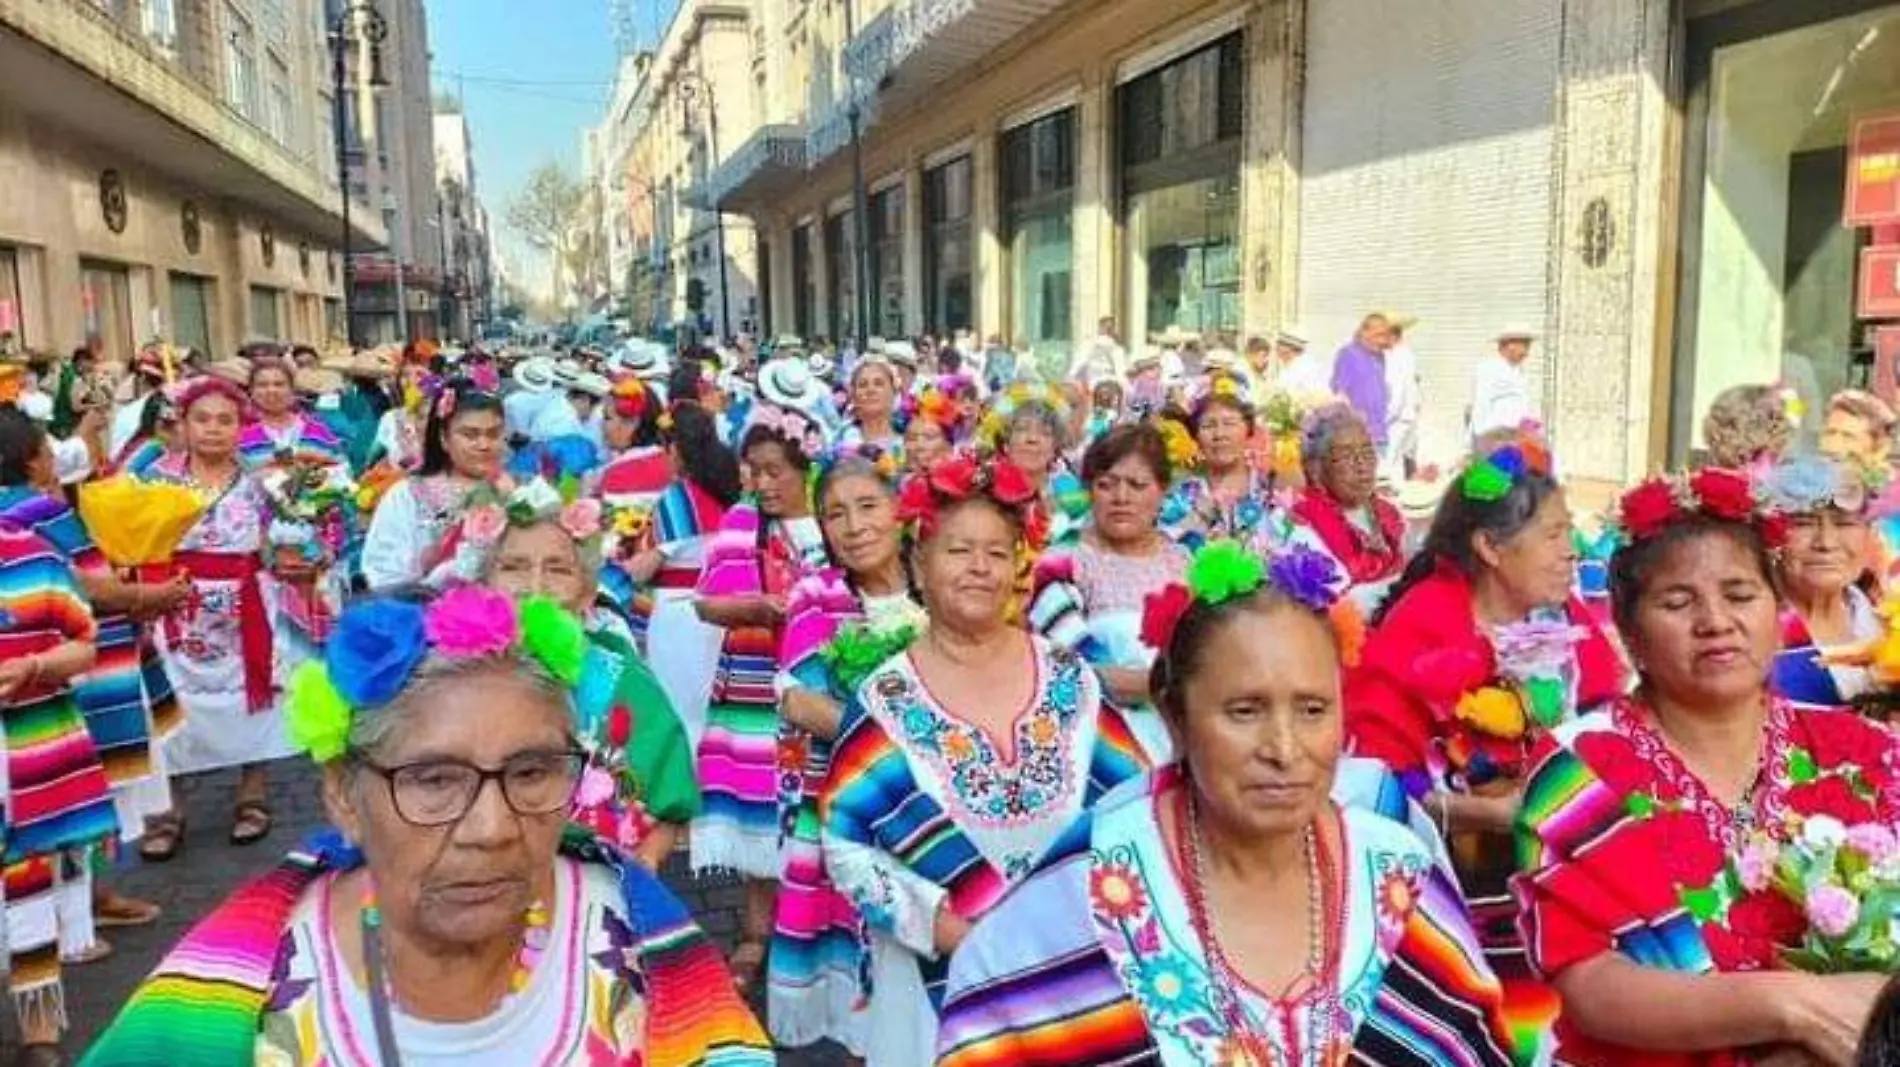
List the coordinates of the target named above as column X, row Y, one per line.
column 1485, row 483
column 1349, row 629
column 471, row 621
column 373, row 650
column 316, row 716
column 1306, row 577
column 1493, row 711
column 860, row 648
column 1224, row 570
column 1509, row 460
column 1161, row 613
column 553, row 636
column 619, row 726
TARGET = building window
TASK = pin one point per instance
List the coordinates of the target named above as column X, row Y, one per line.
column 105, row 301
column 1038, row 181
column 842, row 272
column 332, row 319
column 1180, row 132
column 1771, row 281
column 947, row 292
column 191, row 312
column 887, row 262
column 240, row 63
column 804, row 283
column 278, row 114
column 264, row 321
column 159, row 20
column 12, row 314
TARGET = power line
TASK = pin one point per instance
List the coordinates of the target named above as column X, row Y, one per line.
column 489, row 79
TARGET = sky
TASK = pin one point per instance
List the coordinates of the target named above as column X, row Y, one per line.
column 532, row 75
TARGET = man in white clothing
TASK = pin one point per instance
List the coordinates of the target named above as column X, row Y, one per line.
column 1500, row 391
column 1296, row 371
column 1401, row 380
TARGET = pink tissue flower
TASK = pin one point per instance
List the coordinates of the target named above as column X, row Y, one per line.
column 1878, row 843
column 1832, row 910
column 581, row 519
column 484, row 525
column 597, row 789
column 472, row 621
column 1756, row 866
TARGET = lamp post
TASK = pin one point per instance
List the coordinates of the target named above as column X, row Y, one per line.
column 860, row 199
column 694, row 87
column 358, row 25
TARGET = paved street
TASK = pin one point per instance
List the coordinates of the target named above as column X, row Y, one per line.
column 207, row 868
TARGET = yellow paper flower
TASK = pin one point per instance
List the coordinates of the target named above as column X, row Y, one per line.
column 1494, row 711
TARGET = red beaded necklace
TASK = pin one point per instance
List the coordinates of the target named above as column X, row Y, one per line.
column 1327, row 917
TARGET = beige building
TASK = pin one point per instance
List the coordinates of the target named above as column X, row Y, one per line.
column 168, row 172
column 462, row 228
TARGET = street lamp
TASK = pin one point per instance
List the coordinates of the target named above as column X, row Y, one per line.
column 860, row 199
column 693, row 86
column 358, row 25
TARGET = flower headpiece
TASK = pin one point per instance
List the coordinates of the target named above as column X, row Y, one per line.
column 378, row 644
column 1225, row 570
column 1004, row 405
column 790, row 425
column 1220, row 385
column 939, row 407
column 882, row 460
column 1801, row 485
column 1494, row 471
column 489, row 514
column 189, row 392
column 962, row 478
column 1710, row 493
column 631, row 398
column 1184, row 453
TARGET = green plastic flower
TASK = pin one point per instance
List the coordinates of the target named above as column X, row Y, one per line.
column 1485, row 483
column 551, row 634
column 315, row 714
column 1223, row 570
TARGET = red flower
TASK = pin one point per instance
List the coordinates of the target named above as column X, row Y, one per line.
column 1732, row 952
column 1161, row 612
column 619, row 726
column 1840, row 741
column 1724, row 494
column 1612, row 756
column 1648, row 508
column 1774, row 531
column 1009, row 485
column 954, row 478
column 1831, row 795
column 1767, row 916
column 1035, row 528
column 916, row 502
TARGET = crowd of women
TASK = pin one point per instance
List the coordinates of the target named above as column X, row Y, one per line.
column 1040, row 729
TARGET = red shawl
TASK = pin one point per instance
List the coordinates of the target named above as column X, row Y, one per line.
column 1364, row 562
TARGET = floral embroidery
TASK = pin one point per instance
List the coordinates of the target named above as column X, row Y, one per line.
column 1115, row 891
column 1680, row 789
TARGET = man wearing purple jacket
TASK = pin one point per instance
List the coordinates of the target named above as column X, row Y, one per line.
column 1359, row 376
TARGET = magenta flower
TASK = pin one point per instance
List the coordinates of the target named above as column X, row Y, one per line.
column 1832, row 910
column 472, row 621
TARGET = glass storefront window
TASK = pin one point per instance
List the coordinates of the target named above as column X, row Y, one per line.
column 191, row 312
column 1180, row 161
column 1038, row 181
column 12, row 315
column 804, row 283
column 105, row 297
column 842, row 272
column 947, row 292
column 887, row 262
column 264, row 316
column 1773, row 273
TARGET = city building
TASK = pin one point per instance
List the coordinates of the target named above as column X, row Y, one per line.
column 169, row 173
column 1654, row 186
column 391, row 151
column 467, row 290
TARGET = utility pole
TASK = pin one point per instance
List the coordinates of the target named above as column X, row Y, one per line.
column 860, row 200
column 359, row 23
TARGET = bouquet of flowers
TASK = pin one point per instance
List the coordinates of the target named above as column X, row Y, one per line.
column 608, row 800
column 309, row 508
column 138, row 524
column 1538, row 658
column 1839, row 882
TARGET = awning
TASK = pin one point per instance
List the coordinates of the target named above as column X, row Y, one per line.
column 769, row 164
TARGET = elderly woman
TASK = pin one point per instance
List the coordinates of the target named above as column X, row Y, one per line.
column 1748, row 426
column 1339, row 511
column 282, row 432
column 962, row 758
column 449, row 922
column 1825, row 506
column 639, row 792
column 873, row 397
column 1858, row 429
column 408, row 538
column 1478, row 649
column 932, row 432
column 1228, row 497
column 1029, row 427
column 1227, row 909
column 1088, row 598
column 839, row 622
column 1634, row 811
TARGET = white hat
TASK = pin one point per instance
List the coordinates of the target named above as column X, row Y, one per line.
column 1174, row 336
column 645, row 359
column 1290, row 336
column 1220, row 359
column 535, row 374
column 875, row 343
column 821, row 364
column 37, row 406
column 789, row 383
column 592, row 384
column 902, row 353
column 1516, row 333
column 566, row 373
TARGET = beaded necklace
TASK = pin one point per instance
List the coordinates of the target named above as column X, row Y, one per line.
column 1326, row 935
column 382, row 991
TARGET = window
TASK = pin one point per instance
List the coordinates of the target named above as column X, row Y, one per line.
column 264, row 321
column 105, row 301
column 159, row 20
column 947, row 292
column 278, row 116
column 240, row 62
column 12, row 315
column 332, row 318
column 1038, row 180
column 842, row 271
column 804, row 283
column 887, row 262
column 1180, row 155
column 191, row 312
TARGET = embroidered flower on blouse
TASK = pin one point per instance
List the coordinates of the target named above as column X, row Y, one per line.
column 1168, row 984
column 1116, row 891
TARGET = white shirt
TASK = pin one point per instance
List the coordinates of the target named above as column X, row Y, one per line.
column 521, row 407
column 1401, row 380
column 1101, row 359
column 125, row 424
column 1304, row 374
column 1500, row 397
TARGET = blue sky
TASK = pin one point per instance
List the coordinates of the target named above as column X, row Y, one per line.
column 532, row 74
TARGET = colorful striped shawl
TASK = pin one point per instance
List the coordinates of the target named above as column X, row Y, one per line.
column 204, row 1003
column 314, row 444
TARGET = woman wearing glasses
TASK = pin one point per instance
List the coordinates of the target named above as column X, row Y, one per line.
column 1340, row 513
column 449, row 922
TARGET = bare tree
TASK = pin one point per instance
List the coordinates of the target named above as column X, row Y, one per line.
column 543, row 213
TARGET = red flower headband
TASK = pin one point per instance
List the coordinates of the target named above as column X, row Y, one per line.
column 1711, row 493
column 631, row 398
column 962, row 478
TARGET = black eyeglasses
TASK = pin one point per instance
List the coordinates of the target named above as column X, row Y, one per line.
column 440, row 791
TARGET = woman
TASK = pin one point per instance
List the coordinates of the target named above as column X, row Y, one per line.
column 927, row 817
column 282, row 432
column 402, row 429
column 219, row 645
column 755, row 559
column 641, row 468
column 838, row 621
column 1634, row 812
column 1823, row 608
column 932, row 431
column 1858, row 429
column 58, row 802
column 1340, row 512
column 1226, row 909
column 449, row 922
column 1028, row 426
column 408, row 537
column 639, row 792
column 156, row 434
column 1228, row 498
column 873, row 408
column 1088, row 598
column 1478, row 649
column 1749, row 426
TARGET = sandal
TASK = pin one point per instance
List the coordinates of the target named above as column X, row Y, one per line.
column 115, row 910
column 250, row 822
column 99, row 949
column 748, row 960
column 163, row 835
